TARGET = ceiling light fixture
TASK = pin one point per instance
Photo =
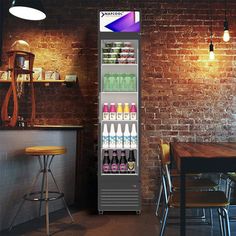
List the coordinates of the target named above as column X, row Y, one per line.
column 226, row 36
column 28, row 9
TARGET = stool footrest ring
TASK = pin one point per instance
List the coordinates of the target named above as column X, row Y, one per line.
column 38, row 196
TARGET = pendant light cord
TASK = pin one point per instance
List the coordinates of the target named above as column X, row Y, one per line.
column 225, row 10
column 211, row 19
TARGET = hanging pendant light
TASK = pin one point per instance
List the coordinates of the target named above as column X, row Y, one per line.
column 211, row 51
column 211, row 46
column 28, row 9
column 226, row 36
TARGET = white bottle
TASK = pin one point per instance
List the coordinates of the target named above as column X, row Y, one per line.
column 112, row 137
column 119, row 137
column 105, row 137
column 133, row 137
column 126, row 137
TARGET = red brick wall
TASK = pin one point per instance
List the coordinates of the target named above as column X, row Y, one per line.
column 185, row 97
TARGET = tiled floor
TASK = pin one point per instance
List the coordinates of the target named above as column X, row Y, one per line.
column 110, row 224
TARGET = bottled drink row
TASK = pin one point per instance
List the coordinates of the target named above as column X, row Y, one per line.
column 119, row 139
column 119, row 112
column 117, row 164
column 118, row 52
column 119, row 82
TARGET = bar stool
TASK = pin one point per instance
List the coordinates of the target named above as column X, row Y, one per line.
column 45, row 155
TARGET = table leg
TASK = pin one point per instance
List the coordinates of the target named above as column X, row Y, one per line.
column 182, row 204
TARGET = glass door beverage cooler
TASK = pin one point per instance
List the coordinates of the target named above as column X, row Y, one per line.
column 119, row 112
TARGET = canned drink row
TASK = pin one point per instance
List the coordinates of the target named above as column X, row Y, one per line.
column 118, row 55
column 119, row 60
column 118, row 44
column 118, row 50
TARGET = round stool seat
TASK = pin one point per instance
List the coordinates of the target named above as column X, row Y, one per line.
column 45, row 150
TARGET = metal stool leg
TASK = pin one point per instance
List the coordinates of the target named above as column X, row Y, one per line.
column 58, row 189
column 23, row 201
column 63, row 199
column 42, row 184
column 46, row 195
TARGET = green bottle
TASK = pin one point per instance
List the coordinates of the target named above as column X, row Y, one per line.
column 122, row 82
column 127, row 82
column 112, row 82
column 116, row 83
column 132, row 83
column 106, row 82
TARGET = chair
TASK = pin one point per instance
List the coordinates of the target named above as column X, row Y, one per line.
column 230, row 185
column 194, row 199
column 193, row 182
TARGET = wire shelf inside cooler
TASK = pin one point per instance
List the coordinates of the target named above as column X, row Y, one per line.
column 119, row 93
column 123, row 97
column 128, row 65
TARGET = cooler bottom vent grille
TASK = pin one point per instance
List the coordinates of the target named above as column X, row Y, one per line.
column 119, row 198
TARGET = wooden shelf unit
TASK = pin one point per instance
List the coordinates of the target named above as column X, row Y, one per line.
column 39, row 81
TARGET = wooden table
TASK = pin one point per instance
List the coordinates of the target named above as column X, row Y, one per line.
column 201, row 157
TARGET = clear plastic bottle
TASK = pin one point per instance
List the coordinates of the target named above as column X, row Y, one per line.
column 106, row 83
column 132, row 83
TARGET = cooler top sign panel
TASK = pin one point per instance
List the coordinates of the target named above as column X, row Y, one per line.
column 119, row 21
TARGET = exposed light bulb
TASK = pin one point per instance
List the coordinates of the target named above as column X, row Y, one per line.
column 211, row 55
column 226, row 36
column 211, row 52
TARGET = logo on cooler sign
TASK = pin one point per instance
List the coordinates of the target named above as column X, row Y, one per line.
column 111, row 13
